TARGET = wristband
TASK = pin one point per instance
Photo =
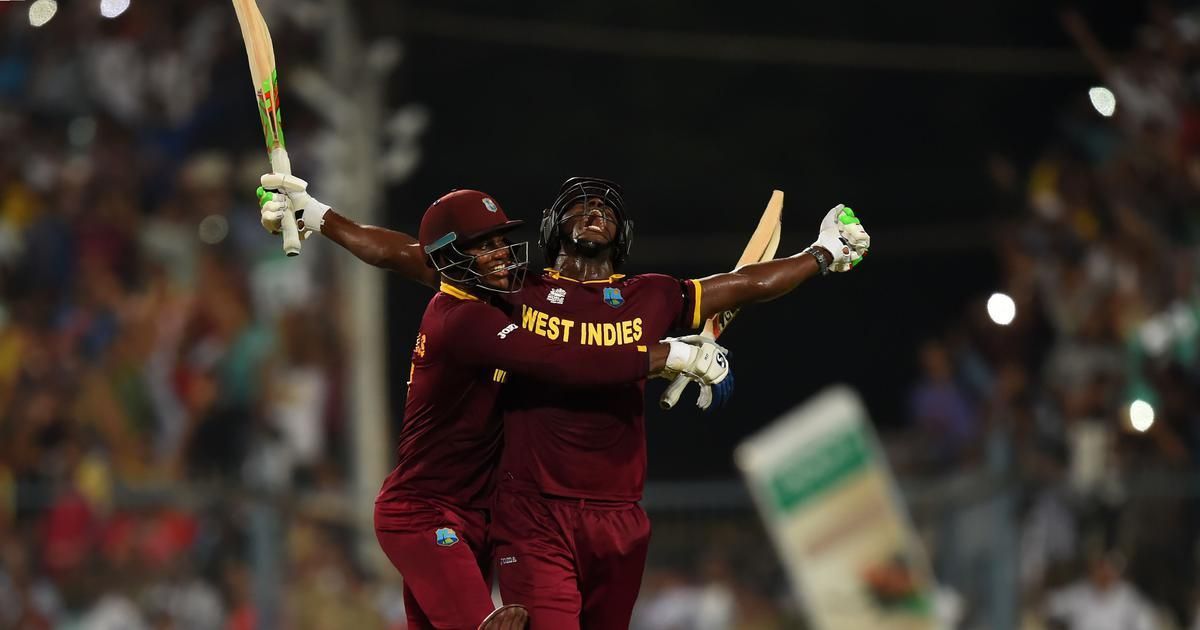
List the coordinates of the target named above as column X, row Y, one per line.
column 822, row 257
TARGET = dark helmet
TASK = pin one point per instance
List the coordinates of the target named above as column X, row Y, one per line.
column 458, row 218
column 580, row 189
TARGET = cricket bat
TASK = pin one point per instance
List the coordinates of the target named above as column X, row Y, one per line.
column 261, row 53
column 762, row 246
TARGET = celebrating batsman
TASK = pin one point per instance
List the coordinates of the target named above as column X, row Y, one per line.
column 431, row 513
column 570, row 538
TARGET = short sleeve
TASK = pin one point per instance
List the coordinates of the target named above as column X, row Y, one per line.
column 681, row 297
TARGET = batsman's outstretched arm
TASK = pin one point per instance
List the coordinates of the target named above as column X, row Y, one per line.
column 839, row 247
column 376, row 246
column 380, row 247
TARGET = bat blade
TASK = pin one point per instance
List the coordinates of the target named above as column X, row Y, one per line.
column 260, row 52
column 763, row 244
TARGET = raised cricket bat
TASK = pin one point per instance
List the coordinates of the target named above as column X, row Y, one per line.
column 762, row 246
column 261, row 53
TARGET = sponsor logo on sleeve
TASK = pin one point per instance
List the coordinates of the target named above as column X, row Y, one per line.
column 503, row 334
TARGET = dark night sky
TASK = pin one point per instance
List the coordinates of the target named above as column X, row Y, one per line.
column 699, row 144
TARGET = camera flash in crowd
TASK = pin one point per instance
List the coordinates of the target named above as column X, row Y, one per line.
column 42, row 11
column 1001, row 308
column 1103, row 100
column 1141, row 415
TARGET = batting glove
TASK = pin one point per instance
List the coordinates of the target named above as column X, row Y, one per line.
column 705, row 362
column 843, row 235
column 278, row 190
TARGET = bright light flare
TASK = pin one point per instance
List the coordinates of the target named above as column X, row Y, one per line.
column 1103, row 100
column 113, row 8
column 41, row 12
column 1002, row 309
column 1141, row 415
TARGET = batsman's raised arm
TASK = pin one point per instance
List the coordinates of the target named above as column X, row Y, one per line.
column 839, row 247
column 376, row 246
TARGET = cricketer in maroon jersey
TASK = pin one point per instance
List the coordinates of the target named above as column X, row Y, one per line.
column 431, row 514
column 570, row 538
column 572, row 556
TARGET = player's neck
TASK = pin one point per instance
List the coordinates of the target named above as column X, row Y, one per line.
column 583, row 268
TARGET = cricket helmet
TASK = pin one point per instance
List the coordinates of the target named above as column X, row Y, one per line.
column 580, row 190
column 457, row 219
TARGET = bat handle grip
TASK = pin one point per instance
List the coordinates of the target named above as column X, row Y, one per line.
column 291, row 232
column 673, row 392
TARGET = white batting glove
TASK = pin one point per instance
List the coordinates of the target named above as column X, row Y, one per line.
column 276, row 189
column 843, row 235
column 703, row 361
column 271, row 213
column 701, row 358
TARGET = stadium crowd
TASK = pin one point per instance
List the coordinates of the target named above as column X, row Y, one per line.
column 153, row 350
column 1058, row 507
column 147, row 345
column 1102, row 258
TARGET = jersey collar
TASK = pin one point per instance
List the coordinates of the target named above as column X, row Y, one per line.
column 554, row 274
column 456, row 292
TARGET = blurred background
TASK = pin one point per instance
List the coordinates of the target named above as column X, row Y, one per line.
column 192, row 426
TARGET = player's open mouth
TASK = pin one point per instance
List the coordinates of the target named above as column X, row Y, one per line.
column 595, row 228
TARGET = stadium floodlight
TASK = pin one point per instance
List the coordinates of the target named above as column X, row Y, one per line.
column 1103, row 100
column 1141, row 415
column 1002, row 309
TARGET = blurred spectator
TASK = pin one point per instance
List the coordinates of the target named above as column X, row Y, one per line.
column 135, row 352
column 238, row 594
column 941, row 411
column 1101, row 601
column 1102, row 258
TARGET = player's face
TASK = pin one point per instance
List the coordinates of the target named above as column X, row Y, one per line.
column 492, row 256
column 591, row 222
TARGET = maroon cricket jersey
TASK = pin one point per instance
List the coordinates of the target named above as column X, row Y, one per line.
column 466, row 349
column 589, row 442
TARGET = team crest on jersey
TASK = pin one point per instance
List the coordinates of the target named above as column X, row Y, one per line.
column 556, row 295
column 445, row 536
column 612, row 297
column 489, row 204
